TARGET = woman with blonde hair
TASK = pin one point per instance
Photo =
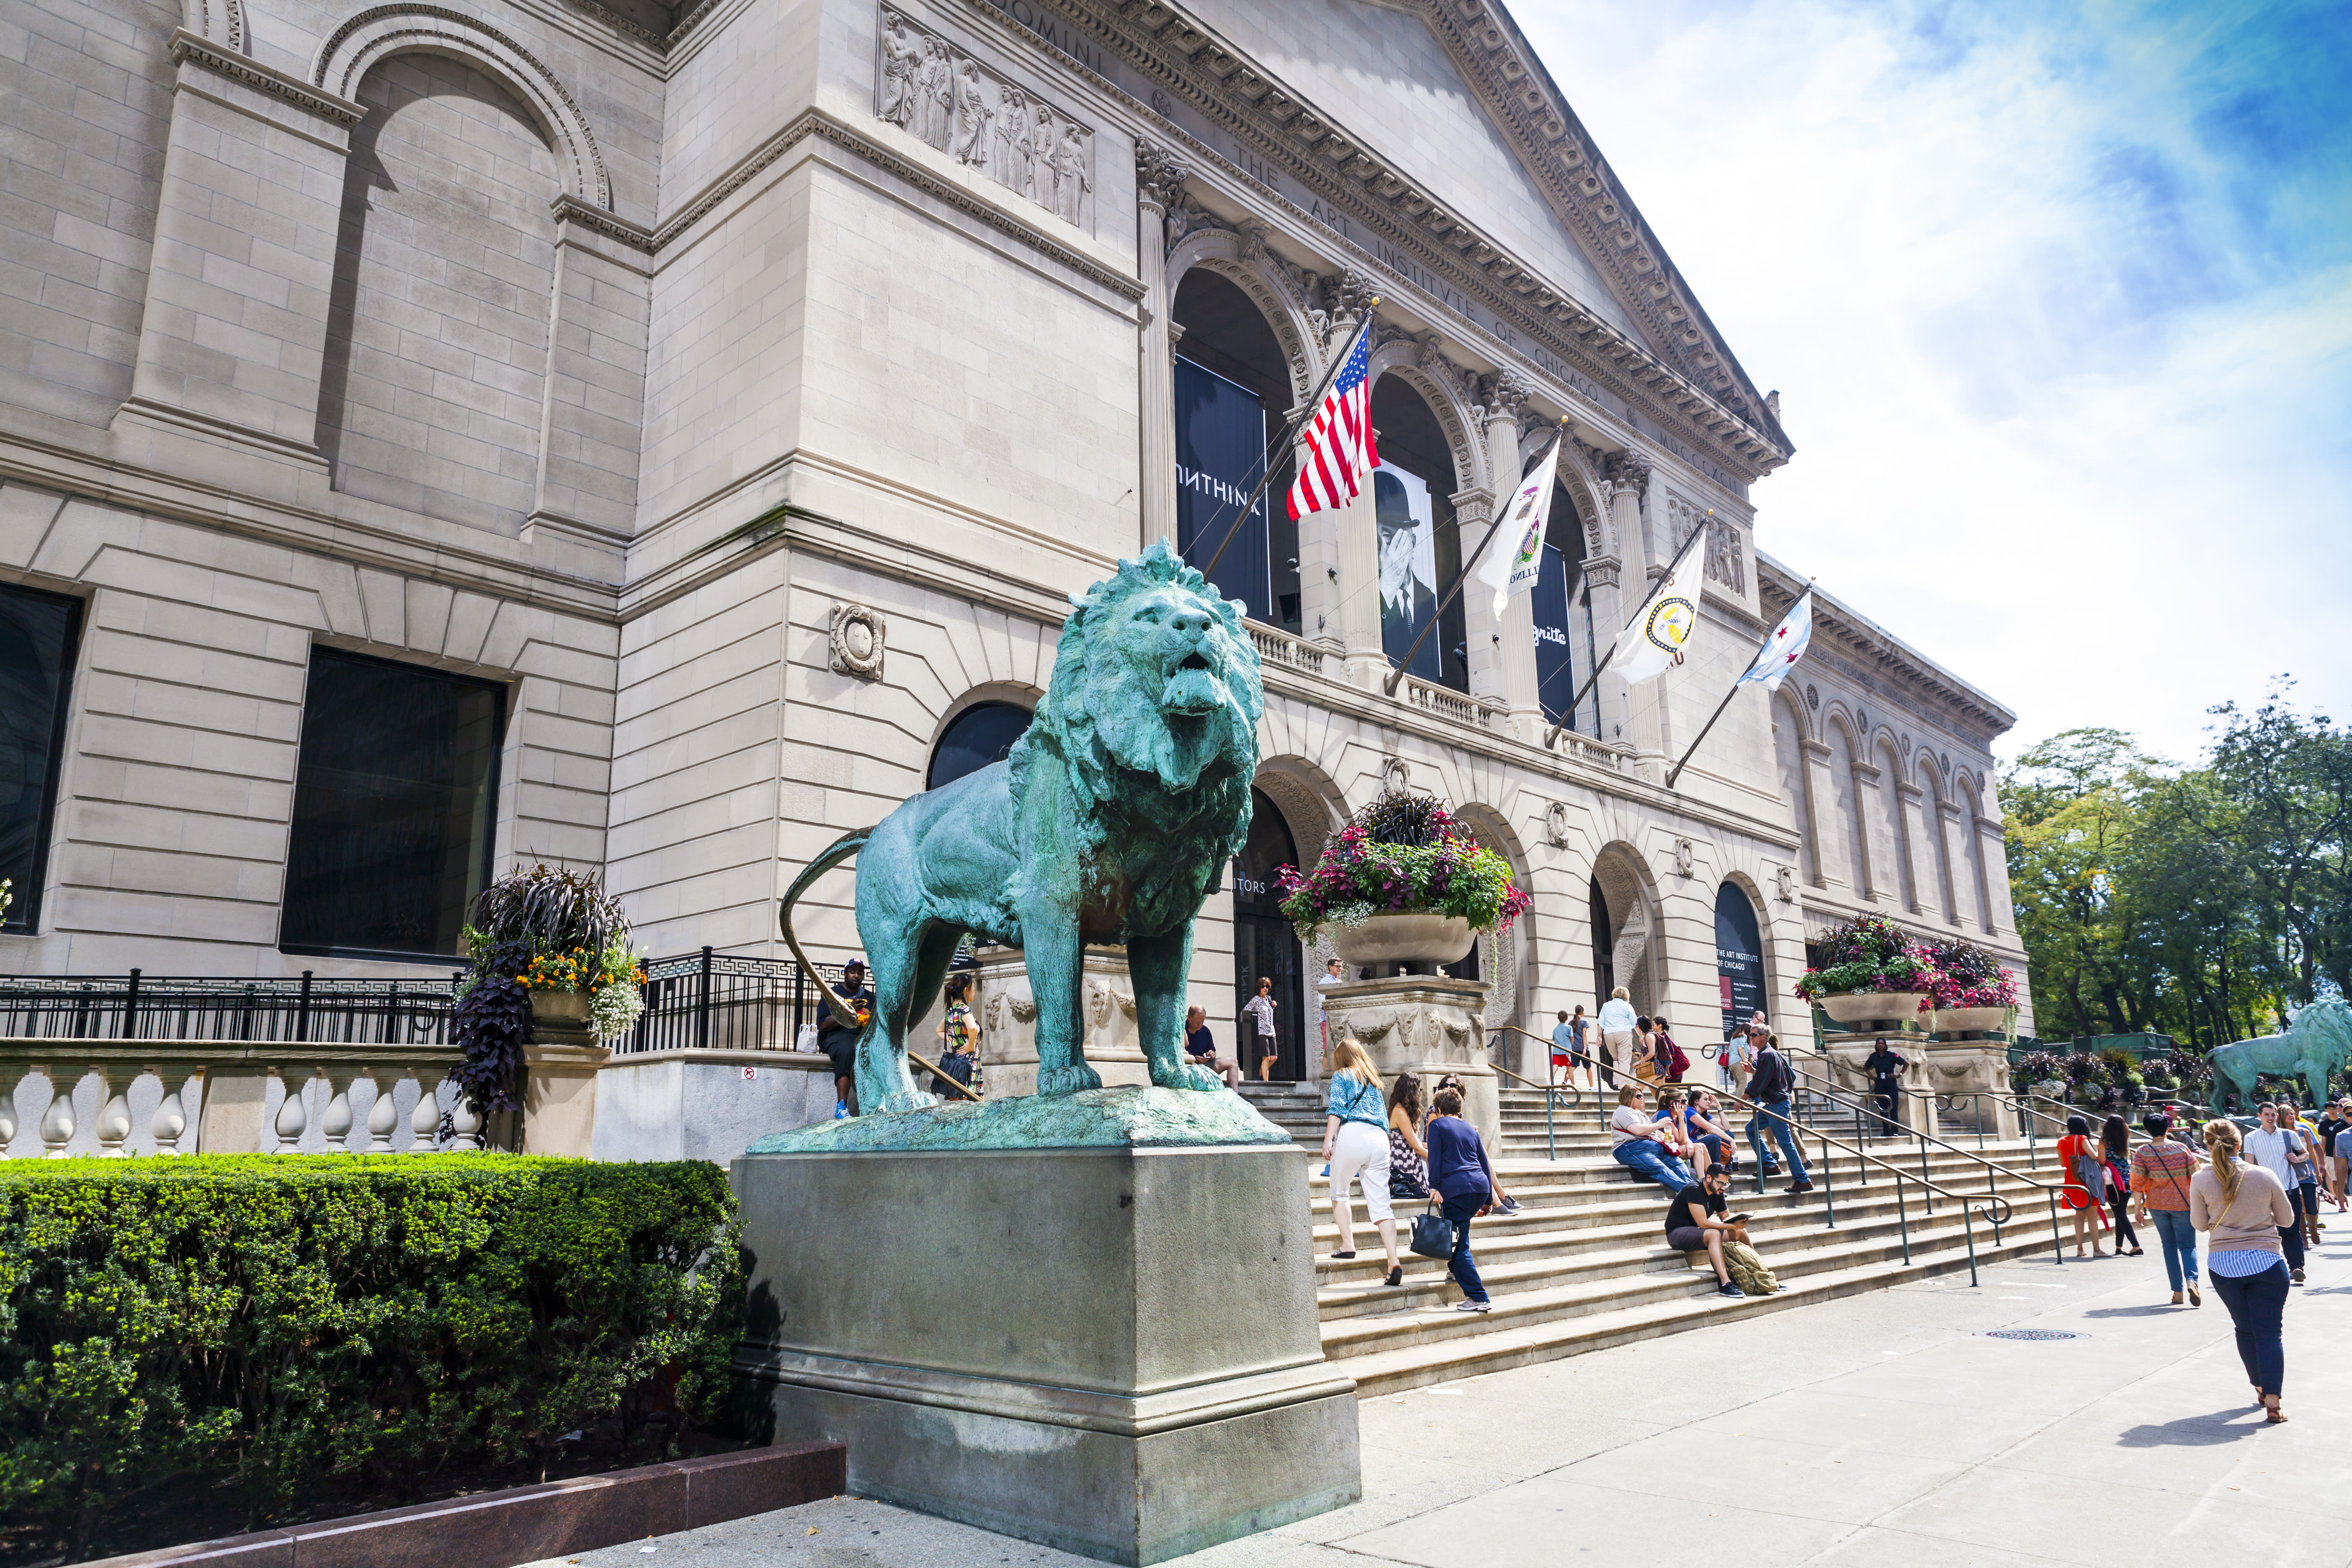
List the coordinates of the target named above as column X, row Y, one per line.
column 2246, row 1209
column 1356, row 1142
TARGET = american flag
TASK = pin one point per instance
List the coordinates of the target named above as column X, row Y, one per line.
column 1340, row 449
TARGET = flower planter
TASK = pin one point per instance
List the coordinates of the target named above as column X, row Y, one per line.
column 1958, row 1020
column 1407, row 936
column 1874, row 1006
column 560, row 1018
column 2052, row 1089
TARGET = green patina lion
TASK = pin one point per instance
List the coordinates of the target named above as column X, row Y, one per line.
column 2316, row 1043
column 1110, row 822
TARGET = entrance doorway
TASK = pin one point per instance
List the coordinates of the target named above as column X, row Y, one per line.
column 1265, row 945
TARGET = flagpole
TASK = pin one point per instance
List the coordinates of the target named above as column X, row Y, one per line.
column 1676, row 772
column 1290, row 429
column 1397, row 675
column 1552, row 734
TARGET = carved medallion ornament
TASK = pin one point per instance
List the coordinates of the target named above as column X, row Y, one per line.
column 856, row 641
column 1685, row 857
column 1784, row 883
column 1556, row 824
column 936, row 93
column 1396, row 773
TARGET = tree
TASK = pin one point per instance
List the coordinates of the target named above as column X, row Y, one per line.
column 2291, row 780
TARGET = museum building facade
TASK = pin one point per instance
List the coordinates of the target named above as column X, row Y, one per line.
column 441, row 436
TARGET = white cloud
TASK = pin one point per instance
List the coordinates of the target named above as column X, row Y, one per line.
column 2065, row 419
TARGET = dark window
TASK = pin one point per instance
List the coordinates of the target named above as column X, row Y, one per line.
column 981, row 734
column 1224, row 333
column 393, row 804
column 37, row 634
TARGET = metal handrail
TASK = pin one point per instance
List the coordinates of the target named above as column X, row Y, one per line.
column 1921, row 1133
column 1551, row 1137
column 1967, row 1202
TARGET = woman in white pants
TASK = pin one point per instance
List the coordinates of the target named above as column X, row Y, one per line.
column 1356, row 1142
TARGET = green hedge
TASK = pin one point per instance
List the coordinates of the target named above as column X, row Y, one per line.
column 282, row 1323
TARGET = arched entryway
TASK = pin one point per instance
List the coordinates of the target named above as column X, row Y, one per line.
column 1624, row 927
column 1233, row 391
column 1265, row 945
column 1738, row 956
column 1419, row 543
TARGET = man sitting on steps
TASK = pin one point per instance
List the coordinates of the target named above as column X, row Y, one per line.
column 1695, row 1223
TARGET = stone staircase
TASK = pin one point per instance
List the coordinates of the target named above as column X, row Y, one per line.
column 1585, row 1264
column 1296, row 1108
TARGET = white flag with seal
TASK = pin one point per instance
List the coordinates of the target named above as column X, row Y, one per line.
column 1530, row 507
column 1785, row 647
column 1653, row 642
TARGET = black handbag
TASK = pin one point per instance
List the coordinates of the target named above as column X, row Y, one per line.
column 1433, row 1233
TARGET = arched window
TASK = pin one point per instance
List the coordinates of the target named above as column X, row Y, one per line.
column 1420, row 545
column 1848, row 790
column 1900, row 850
column 1233, row 392
column 1738, row 956
column 1789, row 752
column 1972, row 808
column 1562, row 605
column 981, row 734
column 1939, row 845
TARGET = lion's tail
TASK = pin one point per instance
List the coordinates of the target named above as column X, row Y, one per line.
column 839, row 851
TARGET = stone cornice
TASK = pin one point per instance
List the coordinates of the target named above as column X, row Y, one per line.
column 1161, row 43
column 194, row 49
column 569, row 208
column 1873, row 648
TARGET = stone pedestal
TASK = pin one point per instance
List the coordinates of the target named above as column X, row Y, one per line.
column 559, row 1098
column 1038, row 1341
column 1007, row 1011
column 694, row 1104
column 1976, row 1072
column 1420, row 1024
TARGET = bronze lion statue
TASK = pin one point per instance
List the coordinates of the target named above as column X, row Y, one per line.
column 1110, row 822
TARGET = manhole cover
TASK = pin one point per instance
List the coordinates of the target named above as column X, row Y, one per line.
column 2030, row 1334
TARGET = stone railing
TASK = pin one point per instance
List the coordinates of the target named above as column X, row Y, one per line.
column 1595, row 753
column 1281, row 648
column 61, row 1097
column 1443, row 702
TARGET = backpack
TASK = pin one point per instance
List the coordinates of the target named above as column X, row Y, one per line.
column 1673, row 1060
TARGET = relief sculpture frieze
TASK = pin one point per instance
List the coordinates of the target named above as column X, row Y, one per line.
column 934, row 91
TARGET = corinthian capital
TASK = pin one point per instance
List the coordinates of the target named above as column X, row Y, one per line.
column 1160, row 173
column 1631, row 469
column 1506, row 392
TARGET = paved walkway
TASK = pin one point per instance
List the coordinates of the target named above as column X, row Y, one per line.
column 1883, row 1429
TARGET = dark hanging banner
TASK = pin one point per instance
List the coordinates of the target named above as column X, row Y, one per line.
column 1738, row 956
column 1220, row 445
column 1554, row 669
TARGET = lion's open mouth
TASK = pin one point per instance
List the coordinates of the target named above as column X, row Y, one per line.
column 1192, row 687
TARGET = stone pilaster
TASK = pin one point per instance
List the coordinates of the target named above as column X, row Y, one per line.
column 1955, row 855
column 1515, row 635
column 233, row 335
column 1913, row 853
column 1640, row 706
column 1992, row 846
column 1159, row 176
column 595, row 392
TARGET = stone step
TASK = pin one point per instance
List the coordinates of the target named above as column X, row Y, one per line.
column 1507, row 1344
column 1428, row 1329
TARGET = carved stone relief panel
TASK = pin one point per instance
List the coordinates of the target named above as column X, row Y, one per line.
column 1724, row 562
column 934, row 91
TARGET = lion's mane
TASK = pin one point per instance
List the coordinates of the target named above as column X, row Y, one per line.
column 1096, row 739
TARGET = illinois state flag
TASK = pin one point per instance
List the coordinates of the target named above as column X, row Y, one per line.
column 1652, row 643
column 1523, row 524
column 1785, row 647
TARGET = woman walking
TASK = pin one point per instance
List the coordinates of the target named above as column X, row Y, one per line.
column 2086, row 1181
column 2160, row 1169
column 1356, row 1142
column 2115, row 1154
column 1458, row 1166
column 1260, row 1008
column 1645, row 1051
column 2244, row 1208
column 1408, row 1155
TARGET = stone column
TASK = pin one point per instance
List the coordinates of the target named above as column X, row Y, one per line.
column 1608, row 695
column 234, row 333
column 1507, row 394
column 1821, row 786
column 1914, row 851
column 1160, row 174
column 1355, row 543
column 590, row 423
column 1640, row 712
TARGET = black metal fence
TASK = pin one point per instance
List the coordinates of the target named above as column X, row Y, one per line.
column 716, row 1001
column 140, row 1006
column 702, row 999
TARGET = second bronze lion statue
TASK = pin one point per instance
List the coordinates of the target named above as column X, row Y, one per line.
column 1110, row 822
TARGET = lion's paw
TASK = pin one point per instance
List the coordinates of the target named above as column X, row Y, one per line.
column 1068, row 1080
column 910, row 1099
column 1184, row 1075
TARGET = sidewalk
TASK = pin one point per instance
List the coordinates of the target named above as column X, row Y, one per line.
column 1884, row 1429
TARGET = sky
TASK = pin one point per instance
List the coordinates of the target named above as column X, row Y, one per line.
column 2058, row 299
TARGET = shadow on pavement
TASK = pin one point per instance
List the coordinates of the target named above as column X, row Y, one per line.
column 2148, row 1311
column 2192, row 1431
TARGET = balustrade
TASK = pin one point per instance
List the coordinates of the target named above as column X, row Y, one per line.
column 1288, row 652
column 40, row 1080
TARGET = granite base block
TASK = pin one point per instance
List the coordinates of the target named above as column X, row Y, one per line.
column 1113, row 1351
